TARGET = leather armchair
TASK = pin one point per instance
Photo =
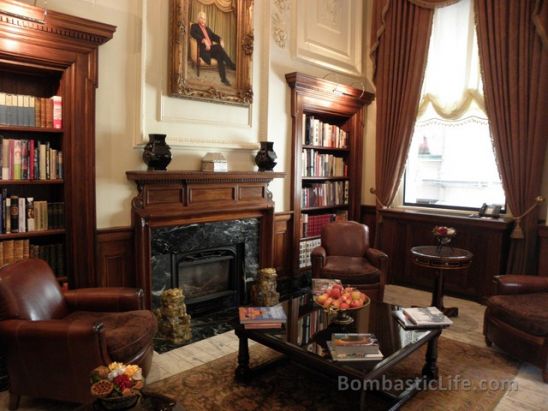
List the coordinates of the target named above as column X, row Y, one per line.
column 516, row 318
column 345, row 254
column 53, row 340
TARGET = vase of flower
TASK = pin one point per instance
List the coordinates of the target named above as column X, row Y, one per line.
column 265, row 156
column 443, row 235
column 157, row 154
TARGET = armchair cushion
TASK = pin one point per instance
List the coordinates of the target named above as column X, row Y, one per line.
column 126, row 333
column 526, row 312
column 351, row 270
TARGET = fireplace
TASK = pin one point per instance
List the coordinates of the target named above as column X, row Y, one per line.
column 181, row 216
column 212, row 262
column 210, row 279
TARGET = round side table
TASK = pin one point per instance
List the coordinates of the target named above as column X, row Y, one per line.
column 441, row 259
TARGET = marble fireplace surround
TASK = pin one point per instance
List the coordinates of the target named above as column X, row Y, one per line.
column 171, row 200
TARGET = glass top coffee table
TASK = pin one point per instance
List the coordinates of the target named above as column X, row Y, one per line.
column 309, row 327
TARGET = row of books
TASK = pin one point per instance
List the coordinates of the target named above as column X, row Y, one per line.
column 305, row 248
column 31, row 111
column 15, row 250
column 24, row 214
column 312, row 225
column 330, row 193
column 316, row 164
column 29, row 159
column 319, row 133
column 262, row 317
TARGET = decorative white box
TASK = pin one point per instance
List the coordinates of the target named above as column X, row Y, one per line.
column 214, row 162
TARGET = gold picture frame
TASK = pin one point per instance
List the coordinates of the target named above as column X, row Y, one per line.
column 190, row 74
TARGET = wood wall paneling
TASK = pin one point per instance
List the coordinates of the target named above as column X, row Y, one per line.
column 115, row 262
column 487, row 239
column 368, row 216
column 282, row 243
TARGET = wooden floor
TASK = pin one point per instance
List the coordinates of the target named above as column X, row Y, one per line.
column 531, row 395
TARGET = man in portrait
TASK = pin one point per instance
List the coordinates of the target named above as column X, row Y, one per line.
column 210, row 46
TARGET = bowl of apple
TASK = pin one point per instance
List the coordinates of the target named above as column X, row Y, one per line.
column 339, row 299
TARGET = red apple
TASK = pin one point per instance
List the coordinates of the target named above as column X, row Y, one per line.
column 356, row 304
column 335, row 293
column 335, row 304
column 344, row 306
column 327, row 302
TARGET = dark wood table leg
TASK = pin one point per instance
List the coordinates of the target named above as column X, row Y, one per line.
column 242, row 371
column 430, row 369
column 437, row 296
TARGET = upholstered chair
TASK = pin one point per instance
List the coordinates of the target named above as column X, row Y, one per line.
column 345, row 254
column 52, row 340
column 516, row 318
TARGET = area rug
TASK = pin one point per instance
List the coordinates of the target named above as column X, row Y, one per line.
column 289, row 387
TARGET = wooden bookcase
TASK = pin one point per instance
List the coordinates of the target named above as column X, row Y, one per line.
column 315, row 189
column 43, row 55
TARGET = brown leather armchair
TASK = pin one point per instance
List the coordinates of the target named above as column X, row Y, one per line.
column 345, row 255
column 516, row 318
column 53, row 340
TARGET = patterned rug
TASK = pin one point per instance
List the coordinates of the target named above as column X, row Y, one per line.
column 289, row 387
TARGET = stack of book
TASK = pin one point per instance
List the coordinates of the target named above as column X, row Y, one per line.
column 422, row 317
column 354, row 347
column 262, row 317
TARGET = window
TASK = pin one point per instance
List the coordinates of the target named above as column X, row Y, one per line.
column 451, row 161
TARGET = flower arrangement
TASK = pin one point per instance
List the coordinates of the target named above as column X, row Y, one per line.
column 117, row 382
column 443, row 234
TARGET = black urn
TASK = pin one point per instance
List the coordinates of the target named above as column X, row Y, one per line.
column 265, row 156
column 157, row 154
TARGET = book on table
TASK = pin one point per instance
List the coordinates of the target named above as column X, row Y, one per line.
column 422, row 317
column 355, row 343
column 336, row 355
column 262, row 317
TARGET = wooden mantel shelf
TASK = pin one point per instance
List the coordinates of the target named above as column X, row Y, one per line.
column 202, row 177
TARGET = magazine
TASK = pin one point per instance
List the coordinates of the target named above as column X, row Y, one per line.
column 363, row 356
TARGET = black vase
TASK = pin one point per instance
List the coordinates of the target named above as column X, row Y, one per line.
column 265, row 156
column 157, row 154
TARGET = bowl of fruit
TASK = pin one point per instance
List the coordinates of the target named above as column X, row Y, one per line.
column 339, row 299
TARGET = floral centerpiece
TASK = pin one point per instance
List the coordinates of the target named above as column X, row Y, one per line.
column 117, row 385
column 443, row 234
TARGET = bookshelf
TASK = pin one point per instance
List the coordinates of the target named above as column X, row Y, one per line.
column 327, row 130
column 48, row 77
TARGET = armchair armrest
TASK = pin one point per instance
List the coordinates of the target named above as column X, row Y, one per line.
column 113, row 299
column 317, row 258
column 520, row 284
column 377, row 258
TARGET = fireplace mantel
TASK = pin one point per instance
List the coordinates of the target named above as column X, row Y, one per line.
column 178, row 198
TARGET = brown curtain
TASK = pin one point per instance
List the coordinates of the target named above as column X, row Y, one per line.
column 400, row 39
column 515, row 77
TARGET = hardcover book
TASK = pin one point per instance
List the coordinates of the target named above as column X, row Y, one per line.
column 422, row 317
column 353, row 343
column 336, row 355
column 264, row 315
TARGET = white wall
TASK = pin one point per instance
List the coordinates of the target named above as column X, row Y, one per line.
column 132, row 100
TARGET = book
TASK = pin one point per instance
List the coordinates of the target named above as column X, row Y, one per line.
column 356, row 356
column 355, row 343
column 260, row 326
column 263, row 315
column 422, row 317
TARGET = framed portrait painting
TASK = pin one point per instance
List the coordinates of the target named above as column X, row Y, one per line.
column 210, row 50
